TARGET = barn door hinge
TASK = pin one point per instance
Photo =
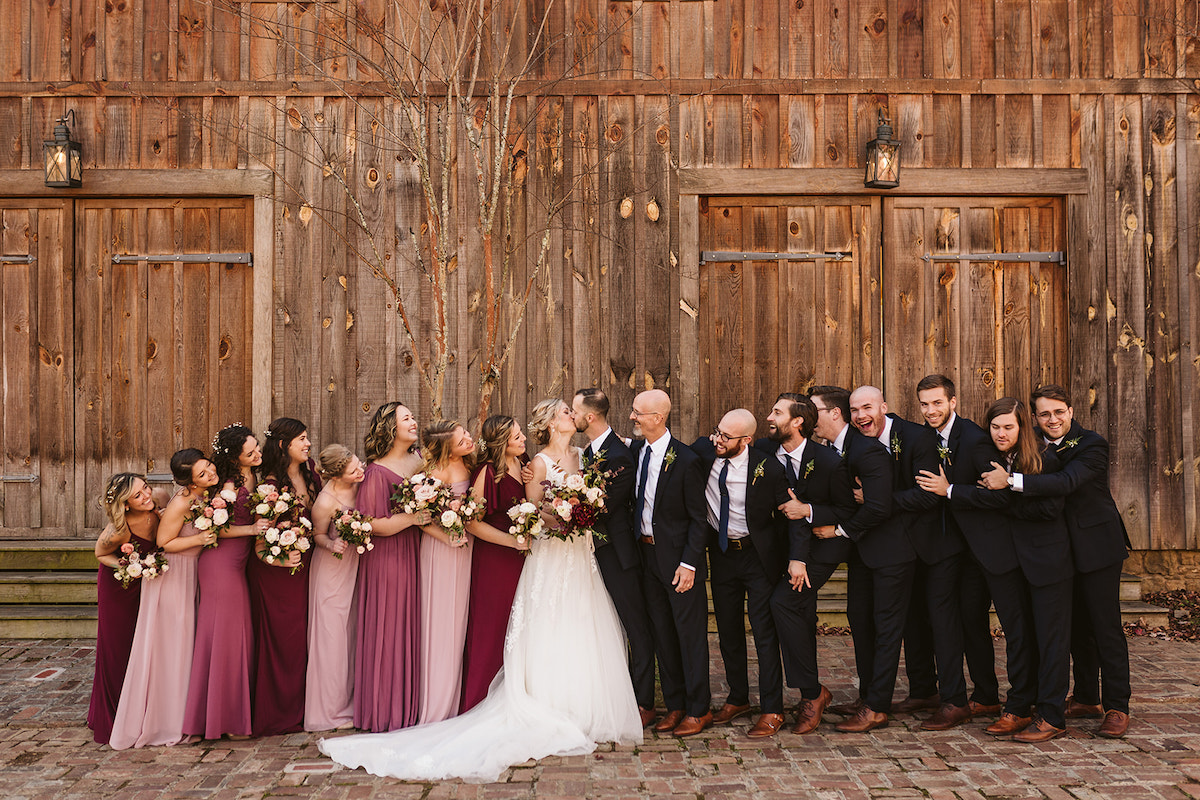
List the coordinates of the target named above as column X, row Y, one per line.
column 18, row 259
column 19, row 479
column 1055, row 257
column 189, row 258
column 740, row 255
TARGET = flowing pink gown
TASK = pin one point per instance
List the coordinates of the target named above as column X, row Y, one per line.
column 152, row 701
column 445, row 598
column 387, row 636
column 116, row 619
column 329, row 699
column 218, row 700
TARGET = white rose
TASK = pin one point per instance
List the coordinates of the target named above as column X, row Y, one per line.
column 281, row 506
column 449, row 519
column 202, row 523
column 287, row 538
column 229, row 495
column 220, row 516
column 262, row 509
column 366, row 527
column 134, row 570
column 272, row 536
column 302, row 544
column 306, row 522
column 575, row 482
column 594, row 493
column 424, row 493
column 361, row 549
column 269, row 560
column 355, row 525
column 418, row 478
column 527, row 507
column 275, row 550
column 370, row 546
column 563, row 508
column 165, row 567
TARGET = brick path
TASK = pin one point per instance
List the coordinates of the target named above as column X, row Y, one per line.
column 46, row 751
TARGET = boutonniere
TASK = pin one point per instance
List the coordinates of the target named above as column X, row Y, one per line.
column 896, row 444
column 946, row 454
column 668, row 459
column 758, row 473
column 1068, row 444
column 808, row 468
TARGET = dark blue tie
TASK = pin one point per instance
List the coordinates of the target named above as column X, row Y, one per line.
column 791, row 470
column 723, row 525
column 640, row 504
column 587, row 455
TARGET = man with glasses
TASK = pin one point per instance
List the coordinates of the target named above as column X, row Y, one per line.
column 1099, row 545
column 668, row 520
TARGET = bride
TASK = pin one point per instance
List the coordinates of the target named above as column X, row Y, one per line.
column 565, row 682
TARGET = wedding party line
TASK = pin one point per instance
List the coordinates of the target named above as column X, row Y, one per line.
column 470, row 607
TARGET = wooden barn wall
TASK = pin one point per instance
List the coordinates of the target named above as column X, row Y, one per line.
column 644, row 88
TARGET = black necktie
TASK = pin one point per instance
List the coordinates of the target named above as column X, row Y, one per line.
column 640, row 504
column 723, row 525
column 791, row 470
column 587, row 455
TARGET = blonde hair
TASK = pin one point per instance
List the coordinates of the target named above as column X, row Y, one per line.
column 117, row 492
column 541, row 418
column 333, row 461
column 437, row 438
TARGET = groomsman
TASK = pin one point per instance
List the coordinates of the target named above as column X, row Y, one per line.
column 668, row 519
column 617, row 551
column 747, row 550
column 1099, row 545
column 820, row 496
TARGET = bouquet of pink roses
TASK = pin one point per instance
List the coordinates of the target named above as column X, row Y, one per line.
column 454, row 512
column 285, row 537
column 132, row 565
column 213, row 514
column 269, row 502
column 354, row 528
column 420, row 492
column 577, row 500
column 526, row 523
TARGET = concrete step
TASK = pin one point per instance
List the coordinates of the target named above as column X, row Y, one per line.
column 55, row 554
column 42, row 621
column 1133, row 611
column 1131, row 586
column 47, row 588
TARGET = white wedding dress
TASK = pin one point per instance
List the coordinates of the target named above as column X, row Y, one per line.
column 564, row 686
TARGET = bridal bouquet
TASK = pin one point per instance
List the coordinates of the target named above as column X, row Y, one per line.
column 269, row 502
column 133, row 566
column 354, row 528
column 418, row 493
column 453, row 513
column 213, row 514
column 526, row 523
column 576, row 501
column 285, row 537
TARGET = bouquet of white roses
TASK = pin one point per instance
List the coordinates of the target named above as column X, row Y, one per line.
column 269, row 502
column 132, row 565
column 577, row 500
column 285, row 537
column 420, row 492
column 214, row 514
column 354, row 528
column 526, row 523
column 454, row 512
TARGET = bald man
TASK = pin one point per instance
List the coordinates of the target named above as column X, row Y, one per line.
column 668, row 520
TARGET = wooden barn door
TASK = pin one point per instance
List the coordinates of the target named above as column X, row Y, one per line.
column 776, row 324
column 163, row 357
column 36, row 352
column 998, row 328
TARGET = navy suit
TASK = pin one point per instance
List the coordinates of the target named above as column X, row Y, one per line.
column 1098, row 547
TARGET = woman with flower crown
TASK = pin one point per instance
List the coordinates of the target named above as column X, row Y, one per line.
column 133, row 522
column 152, row 701
column 218, row 699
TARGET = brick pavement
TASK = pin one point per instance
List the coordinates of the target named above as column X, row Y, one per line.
column 46, row 751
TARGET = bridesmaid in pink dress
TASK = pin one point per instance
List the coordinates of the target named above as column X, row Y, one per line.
column 498, row 558
column 329, row 699
column 279, row 599
column 152, row 702
column 386, row 661
column 218, row 700
column 132, row 519
column 445, row 578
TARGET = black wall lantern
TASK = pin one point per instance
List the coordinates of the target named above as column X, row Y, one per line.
column 883, row 158
column 63, row 157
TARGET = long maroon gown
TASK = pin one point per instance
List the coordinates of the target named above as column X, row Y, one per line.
column 386, row 658
column 218, row 699
column 495, row 571
column 279, row 609
column 116, row 619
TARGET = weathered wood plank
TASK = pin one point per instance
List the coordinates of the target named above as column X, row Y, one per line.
column 870, row 39
column 617, row 248
column 910, row 39
column 903, row 304
column 1051, row 42
column 1059, row 137
column 691, row 370
column 19, row 319
column 831, row 57
column 1018, row 132
column 944, row 146
column 729, row 47
column 160, row 431
column 655, row 260
column 54, row 365
column 1187, row 187
column 943, row 43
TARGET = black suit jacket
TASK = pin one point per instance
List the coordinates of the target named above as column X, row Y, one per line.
column 1098, row 536
column 965, row 438
column 679, row 519
column 614, row 523
column 915, row 448
column 880, row 540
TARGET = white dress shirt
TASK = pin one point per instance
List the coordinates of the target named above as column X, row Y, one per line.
column 735, row 484
column 658, row 449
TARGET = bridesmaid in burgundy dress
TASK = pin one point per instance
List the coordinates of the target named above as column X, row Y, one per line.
column 498, row 558
column 279, row 599
column 132, row 518
column 386, row 655
column 218, row 700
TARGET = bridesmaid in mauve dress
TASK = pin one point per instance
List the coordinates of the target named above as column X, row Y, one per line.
column 445, row 578
column 152, row 701
column 218, row 700
column 279, row 599
column 132, row 519
column 386, row 662
column 498, row 559
column 329, row 699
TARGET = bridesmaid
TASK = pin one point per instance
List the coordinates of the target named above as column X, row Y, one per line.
column 218, row 699
column 386, row 664
column 329, row 703
column 279, row 599
column 445, row 578
column 132, row 519
column 152, row 702
column 497, row 561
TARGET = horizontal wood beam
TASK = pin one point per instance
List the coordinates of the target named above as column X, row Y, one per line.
column 913, row 182
column 144, row 182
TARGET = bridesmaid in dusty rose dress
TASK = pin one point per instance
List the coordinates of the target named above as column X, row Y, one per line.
column 152, row 702
column 279, row 599
column 218, row 700
column 132, row 519
column 498, row 558
column 445, row 577
column 329, row 699
column 386, row 662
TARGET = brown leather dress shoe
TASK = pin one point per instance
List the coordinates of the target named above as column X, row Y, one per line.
column 910, row 704
column 693, row 725
column 1040, row 731
column 809, row 715
column 767, row 725
column 1008, row 724
column 670, row 722
column 728, row 713
column 947, row 717
column 1114, row 726
column 865, row 720
column 848, row 709
column 1077, row 710
column 984, row 709
column 647, row 715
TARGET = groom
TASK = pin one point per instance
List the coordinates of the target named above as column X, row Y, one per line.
column 617, row 550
